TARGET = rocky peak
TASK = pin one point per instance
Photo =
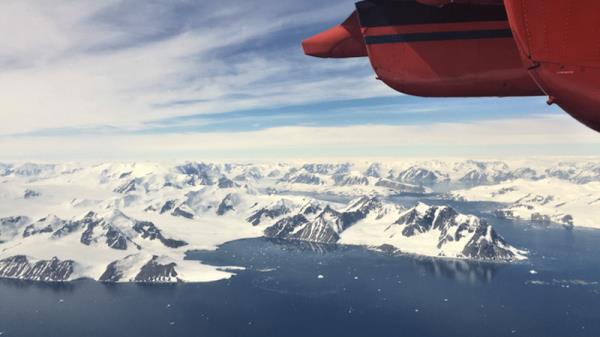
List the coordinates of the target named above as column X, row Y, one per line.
column 273, row 211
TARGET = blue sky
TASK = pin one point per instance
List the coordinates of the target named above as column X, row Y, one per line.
column 93, row 80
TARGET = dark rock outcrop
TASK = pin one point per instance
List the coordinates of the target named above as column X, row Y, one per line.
column 283, row 228
column 274, row 211
column 182, row 212
column 19, row 267
column 227, row 204
column 148, row 230
column 155, row 272
column 225, row 182
column 168, row 206
column 30, row 194
column 327, row 226
column 112, row 273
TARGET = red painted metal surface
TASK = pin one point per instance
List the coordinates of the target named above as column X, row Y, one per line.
column 461, row 68
column 560, row 44
column 447, row 59
column 341, row 41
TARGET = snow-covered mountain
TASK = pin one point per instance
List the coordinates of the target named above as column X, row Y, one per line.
column 120, row 222
column 424, row 230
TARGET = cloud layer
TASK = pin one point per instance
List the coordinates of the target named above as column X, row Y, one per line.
column 126, row 63
column 538, row 136
column 149, row 79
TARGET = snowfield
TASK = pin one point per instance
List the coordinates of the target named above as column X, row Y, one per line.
column 544, row 201
column 134, row 222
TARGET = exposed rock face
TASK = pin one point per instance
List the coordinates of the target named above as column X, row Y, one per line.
column 374, row 170
column 326, row 226
column 168, row 206
column 541, row 219
column 45, row 225
column 284, row 227
column 486, row 244
column 156, row 272
column 30, row 194
column 199, row 173
column 67, row 228
column 273, row 211
column 141, row 269
column 361, row 207
column 318, row 168
column 417, row 221
column 183, row 211
column 130, row 186
column 112, row 273
column 9, row 226
column 97, row 229
column 30, row 230
column 227, row 204
column 148, row 230
column 350, row 180
column 311, row 208
column 225, row 182
column 19, row 267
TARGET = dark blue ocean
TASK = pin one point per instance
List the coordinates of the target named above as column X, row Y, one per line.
column 304, row 290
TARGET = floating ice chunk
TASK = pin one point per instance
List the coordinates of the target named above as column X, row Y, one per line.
column 320, row 276
column 533, row 272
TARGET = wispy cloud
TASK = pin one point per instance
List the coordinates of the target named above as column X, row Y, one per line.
column 140, row 78
column 124, row 63
column 542, row 135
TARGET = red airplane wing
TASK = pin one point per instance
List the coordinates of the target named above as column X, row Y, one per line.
column 560, row 44
column 472, row 48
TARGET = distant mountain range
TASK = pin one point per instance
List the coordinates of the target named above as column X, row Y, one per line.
column 134, row 222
